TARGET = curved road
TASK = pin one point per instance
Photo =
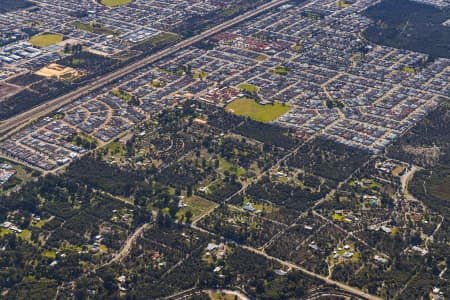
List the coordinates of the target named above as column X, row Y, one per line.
column 345, row 287
column 340, row 285
column 14, row 124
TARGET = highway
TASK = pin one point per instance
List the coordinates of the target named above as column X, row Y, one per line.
column 14, row 124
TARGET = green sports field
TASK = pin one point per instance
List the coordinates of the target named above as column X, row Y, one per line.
column 46, row 39
column 113, row 3
column 261, row 113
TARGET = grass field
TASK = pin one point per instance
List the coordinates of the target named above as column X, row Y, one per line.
column 46, row 39
column 248, row 87
column 158, row 83
column 297, row 48
column 122, row 95
column 226, row 165
column 113, row 3
column 97, row 28
column 439, row 184
column 115, row 148
column 25, row 235
column 4, row 231
column 281, row 70
column 49, row 254
column 196, row 206
column 338, row 217
column 200, row 75
column 342, row 4
column 408, row 69
column 41, row 223
column 261, row 113
column 221, row 296
column 161, row 39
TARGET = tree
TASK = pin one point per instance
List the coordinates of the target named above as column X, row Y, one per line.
column 337, row 197
column 160, row 219
column 173, row 209
column 233, row 178
column 109, row 282
column 188, row 216
column 67, row 48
